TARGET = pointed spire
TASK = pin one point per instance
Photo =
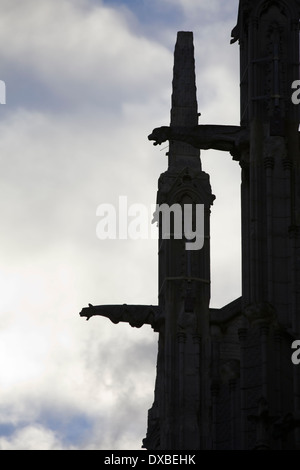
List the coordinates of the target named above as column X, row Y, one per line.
column 184, row 111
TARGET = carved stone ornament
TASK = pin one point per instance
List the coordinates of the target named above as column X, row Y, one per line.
column 260, row 312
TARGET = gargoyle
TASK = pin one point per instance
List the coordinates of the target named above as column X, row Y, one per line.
column 135, row 315
column 227, row 138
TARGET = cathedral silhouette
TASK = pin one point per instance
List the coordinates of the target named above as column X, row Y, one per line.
column 228, row 378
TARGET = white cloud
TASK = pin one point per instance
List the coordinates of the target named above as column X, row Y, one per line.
column 81, row 52
column 213, row 10
column 31, row 437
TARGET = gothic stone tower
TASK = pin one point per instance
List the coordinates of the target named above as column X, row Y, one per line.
column 225, row 379
column 268, row 35
column 254, row 386
column 184, row 280
column 179, row 417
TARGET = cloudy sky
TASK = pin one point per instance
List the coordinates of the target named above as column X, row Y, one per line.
column 86, row 82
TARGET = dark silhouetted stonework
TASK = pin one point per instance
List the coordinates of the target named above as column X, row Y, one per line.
column 225, row 379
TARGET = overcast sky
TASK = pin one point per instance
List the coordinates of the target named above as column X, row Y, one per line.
column 86, row 82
